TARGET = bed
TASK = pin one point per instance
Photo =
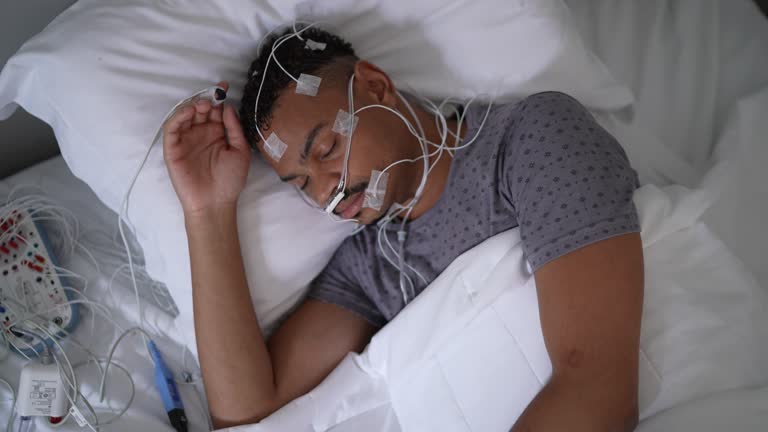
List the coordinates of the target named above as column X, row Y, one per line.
column 714, row 124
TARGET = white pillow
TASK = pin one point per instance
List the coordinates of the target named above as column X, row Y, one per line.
column 104, row 73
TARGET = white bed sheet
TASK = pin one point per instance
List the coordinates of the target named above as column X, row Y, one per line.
column 468, row 354
column 385, row 357
column 744, row 410
column 97, row 222
column 663, row 49
column 694, row 65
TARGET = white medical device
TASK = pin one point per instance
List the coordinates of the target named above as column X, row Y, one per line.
column 30, row 286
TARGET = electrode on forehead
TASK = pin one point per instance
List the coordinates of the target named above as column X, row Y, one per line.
column 376, row 191
column 345, row 123
column 275, row 147
column 308, row 84
column 314, row 45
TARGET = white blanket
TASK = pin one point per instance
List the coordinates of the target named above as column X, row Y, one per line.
column 468, row 354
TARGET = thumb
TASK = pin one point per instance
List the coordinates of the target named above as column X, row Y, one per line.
column 234, row 130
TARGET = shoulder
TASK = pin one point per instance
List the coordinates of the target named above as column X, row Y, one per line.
column 537, row 119
column 549, row 123
column 550, row 103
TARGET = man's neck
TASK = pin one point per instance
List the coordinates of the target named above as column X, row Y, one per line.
column 438, row 177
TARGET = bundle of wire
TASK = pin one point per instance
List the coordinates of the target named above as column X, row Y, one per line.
column 395, row 257
column 47, row 211
column 64, row 231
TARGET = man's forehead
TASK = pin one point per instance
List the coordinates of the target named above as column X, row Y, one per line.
column 295, row 116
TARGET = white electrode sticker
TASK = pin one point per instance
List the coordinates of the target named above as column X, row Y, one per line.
column 345, row 123
column 314, row 45
column 275, row 147
column 308, row 85
column 376, row 191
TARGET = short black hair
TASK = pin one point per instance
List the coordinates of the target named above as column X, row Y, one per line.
column 297, row 59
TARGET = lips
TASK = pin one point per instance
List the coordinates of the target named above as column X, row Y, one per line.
column 351, row 206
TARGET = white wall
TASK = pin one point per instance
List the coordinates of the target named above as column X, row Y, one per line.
column 24, row 140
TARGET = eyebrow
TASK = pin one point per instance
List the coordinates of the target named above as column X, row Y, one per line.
column 310, row 140
column 308, row 143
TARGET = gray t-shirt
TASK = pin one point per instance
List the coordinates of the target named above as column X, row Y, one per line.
column 543, row 164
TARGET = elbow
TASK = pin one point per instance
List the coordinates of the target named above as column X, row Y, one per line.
column 255, row 414
column 632, row 421
column 628, row 417
column 224, row 421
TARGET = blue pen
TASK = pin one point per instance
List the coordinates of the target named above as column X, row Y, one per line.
column 169, row 393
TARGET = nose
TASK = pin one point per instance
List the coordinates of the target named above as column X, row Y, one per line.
column 323, row 184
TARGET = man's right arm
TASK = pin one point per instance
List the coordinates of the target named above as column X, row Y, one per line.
column 245, row 378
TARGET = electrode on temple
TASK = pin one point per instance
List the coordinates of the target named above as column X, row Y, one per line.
column 345, row 123
column 376, row 191
column 275, row 147
column 308, row 84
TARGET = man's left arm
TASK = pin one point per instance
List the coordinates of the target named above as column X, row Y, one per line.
column 590, row 303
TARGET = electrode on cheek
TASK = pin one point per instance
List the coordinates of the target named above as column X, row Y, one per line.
column 345, row 123
column 308, row 84
column 275, row 147
column 376, row 191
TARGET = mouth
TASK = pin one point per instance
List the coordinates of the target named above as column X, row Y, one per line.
column 350, row 207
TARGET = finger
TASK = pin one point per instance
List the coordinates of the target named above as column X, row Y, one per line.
column 178, row 120
column 202, row 108
column 234, row 130
column 223, row 84
column 216, row 114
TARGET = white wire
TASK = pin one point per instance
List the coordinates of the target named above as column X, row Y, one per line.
column 441, row 124
column 123, row 210
column 115, row 417
column 112, row 352
column 12, row 415
column 275, row 46
column 73, row 382
column 73, row 399
column 51, row 309
column 7, row 346
column 37, row 209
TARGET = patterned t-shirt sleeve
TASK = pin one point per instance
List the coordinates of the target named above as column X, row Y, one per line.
column 338, row 284
column 567, row 179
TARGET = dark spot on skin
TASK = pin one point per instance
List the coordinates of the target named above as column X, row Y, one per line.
column 575, row 358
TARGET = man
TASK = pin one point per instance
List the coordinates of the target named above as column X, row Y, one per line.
column 543, row 164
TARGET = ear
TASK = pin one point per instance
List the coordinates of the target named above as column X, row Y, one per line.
column 375, row 84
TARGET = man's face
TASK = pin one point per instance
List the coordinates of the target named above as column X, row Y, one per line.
column 314, row 158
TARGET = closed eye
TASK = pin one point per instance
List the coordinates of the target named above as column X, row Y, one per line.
column 330, row 151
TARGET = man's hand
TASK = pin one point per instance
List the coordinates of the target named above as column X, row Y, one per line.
column 207, row 156
column 245, row 380
column 590, row 303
